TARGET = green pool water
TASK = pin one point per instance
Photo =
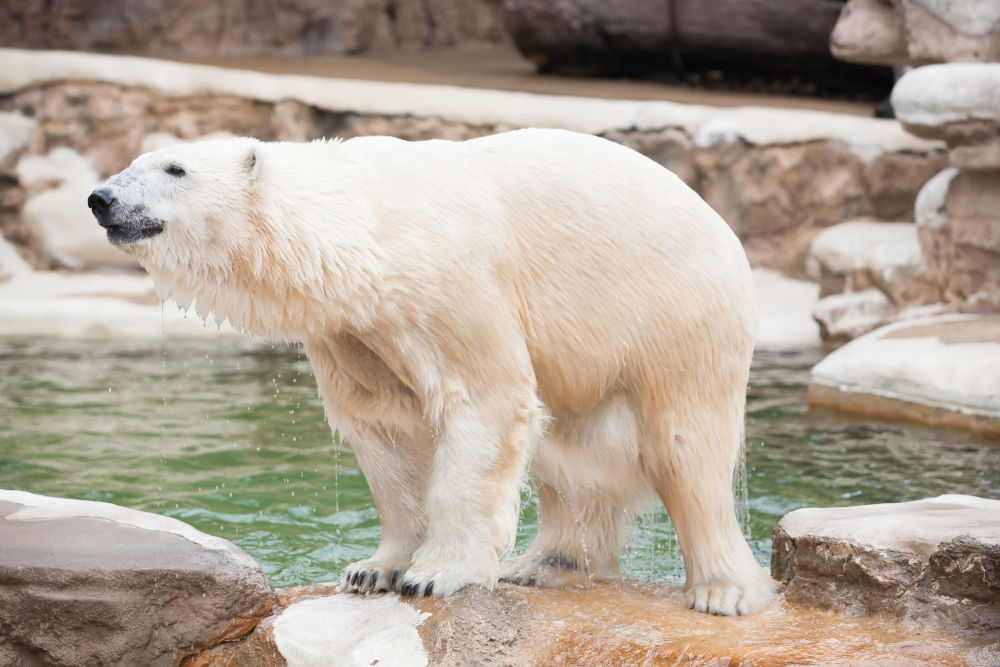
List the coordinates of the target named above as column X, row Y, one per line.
column 229, row 436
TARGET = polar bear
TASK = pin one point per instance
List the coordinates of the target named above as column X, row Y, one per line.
column 538, row 298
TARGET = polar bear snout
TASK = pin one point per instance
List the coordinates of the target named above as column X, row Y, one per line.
column 123, row 224
column 99, row 201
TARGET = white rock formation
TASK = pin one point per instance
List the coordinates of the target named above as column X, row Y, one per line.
column 872, row 246
column 927, row 98
column 58, row 216
column 785, row 306
column 15, row 132
column 358, row 630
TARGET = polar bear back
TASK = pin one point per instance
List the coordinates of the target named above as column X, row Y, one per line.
column 612, row 265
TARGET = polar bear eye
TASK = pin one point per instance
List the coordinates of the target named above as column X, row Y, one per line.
column 175, row 170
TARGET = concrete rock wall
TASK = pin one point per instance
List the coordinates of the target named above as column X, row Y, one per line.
column 778, row 185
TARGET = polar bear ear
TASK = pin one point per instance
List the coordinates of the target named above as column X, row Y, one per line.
column 252, row 162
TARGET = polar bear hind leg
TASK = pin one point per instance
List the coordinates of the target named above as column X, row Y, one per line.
column 694, row 479
column 588, row 487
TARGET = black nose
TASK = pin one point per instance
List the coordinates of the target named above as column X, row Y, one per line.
column 100, row 199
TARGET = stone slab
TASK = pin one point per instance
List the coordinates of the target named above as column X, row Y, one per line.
column 87, row 583
column 927, row 99
column 936, row 560
column 940, row 371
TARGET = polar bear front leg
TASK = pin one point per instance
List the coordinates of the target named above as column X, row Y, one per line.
column 472, row 502
column 395, row 469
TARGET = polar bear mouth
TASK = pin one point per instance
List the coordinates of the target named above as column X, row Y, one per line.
column 120, row 234
column 124, row 227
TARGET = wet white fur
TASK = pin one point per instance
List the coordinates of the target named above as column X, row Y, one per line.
column 536, row 298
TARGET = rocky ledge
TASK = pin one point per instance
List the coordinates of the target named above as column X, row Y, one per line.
column 91, row 583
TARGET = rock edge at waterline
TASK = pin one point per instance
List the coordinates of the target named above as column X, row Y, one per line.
column 940, row 371
column 87, row 583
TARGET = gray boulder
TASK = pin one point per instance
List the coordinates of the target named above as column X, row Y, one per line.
column 86, row 583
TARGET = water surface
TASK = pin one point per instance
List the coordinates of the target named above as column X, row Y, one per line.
column 230, row 436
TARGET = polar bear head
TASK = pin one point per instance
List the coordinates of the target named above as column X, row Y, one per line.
column 254, row 232
column 181, row 203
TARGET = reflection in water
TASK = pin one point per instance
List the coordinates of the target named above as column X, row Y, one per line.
column 229, row 436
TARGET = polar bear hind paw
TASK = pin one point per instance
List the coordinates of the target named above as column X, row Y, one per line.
column 553, row 570
column 728, row 599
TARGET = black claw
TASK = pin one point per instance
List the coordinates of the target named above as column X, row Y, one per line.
column 361, row 578
column 374, row 579
column 394, row 577
column 354, row 579
column 429, row 590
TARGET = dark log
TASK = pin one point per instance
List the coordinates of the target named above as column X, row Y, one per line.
column 646, row 37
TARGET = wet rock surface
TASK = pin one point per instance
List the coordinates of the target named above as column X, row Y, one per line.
column 935, row 560
column 613, row 623
column 85, row 583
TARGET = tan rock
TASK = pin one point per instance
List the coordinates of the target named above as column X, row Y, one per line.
column 933, row 229
column 892, row 177
column 870, row 31
column 965, row 252
column 927, row 100
column 916, row 32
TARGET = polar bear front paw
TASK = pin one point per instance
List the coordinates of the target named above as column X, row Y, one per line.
column 373, row 575
column 439, row 578
column 730, row 599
